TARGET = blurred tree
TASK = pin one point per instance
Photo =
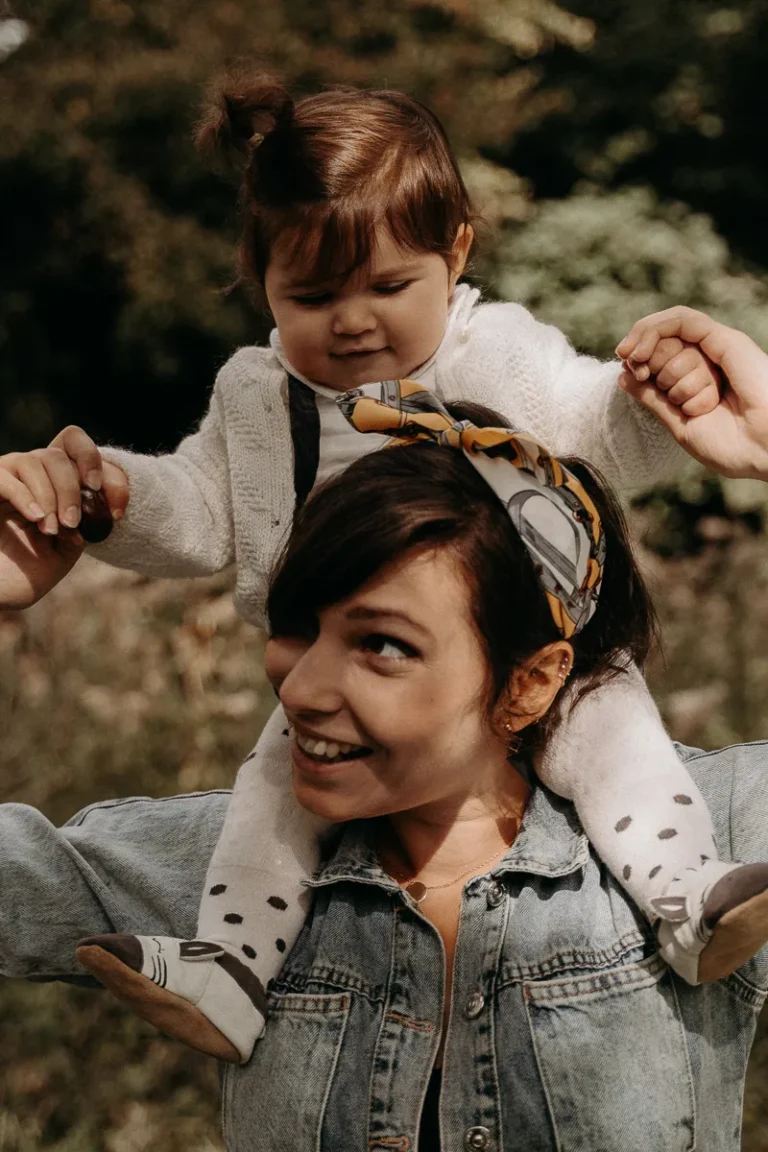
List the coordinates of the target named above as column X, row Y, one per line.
column 672, row 94
column 116, row 243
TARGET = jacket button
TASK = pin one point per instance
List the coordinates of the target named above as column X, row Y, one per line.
column 495, row 894
column 464, row 336
column 473, row 1007
column 477, row 1137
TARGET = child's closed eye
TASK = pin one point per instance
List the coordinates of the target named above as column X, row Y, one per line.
column 392, row 289
column 314, row 300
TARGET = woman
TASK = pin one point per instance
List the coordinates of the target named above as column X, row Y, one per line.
column 537, row 990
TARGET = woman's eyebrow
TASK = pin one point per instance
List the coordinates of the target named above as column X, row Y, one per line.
column 374, row 613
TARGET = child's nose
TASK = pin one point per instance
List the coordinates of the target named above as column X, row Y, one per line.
column 352, row 317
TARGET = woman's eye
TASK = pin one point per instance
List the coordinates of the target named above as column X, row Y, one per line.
column 388, row 647
column 392, row 289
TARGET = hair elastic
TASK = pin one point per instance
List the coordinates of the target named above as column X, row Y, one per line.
column 551, row 510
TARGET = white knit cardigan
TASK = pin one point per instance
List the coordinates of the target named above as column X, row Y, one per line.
column 226, row 494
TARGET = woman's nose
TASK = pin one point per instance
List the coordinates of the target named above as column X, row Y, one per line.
column 352, row 317
column 309, row 686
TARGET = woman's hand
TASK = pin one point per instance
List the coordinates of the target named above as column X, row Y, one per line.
column 733, row 438
column 31, row 563
column 44, row 485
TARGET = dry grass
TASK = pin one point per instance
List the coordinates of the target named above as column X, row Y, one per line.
column 118, row 686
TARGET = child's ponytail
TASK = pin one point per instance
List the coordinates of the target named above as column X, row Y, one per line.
column 240, row 113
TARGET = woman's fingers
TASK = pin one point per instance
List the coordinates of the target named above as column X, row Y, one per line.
column 65, row 483
column 685, row 323
column 84, row 454
column 16, row 493
column 52, row 479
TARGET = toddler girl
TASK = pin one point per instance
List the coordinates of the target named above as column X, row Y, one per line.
column 357, row 225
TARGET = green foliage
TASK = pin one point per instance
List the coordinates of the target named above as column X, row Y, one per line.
column 672, row 94
column 595, row 263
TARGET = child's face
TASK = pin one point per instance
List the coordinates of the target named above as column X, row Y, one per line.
column 382, row 323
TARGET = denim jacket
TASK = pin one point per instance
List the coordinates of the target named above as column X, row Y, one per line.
column 567, row 1033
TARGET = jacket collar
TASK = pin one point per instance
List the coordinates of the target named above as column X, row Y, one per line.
column 551, row 842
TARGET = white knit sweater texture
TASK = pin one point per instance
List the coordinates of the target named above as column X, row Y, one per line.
column 226, row 494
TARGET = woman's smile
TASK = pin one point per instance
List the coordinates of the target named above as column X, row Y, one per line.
column 315, row 753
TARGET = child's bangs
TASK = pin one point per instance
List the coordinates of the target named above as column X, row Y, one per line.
column 331, row 240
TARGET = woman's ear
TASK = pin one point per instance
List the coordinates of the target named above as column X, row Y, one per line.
column 534, row 685
column 460, row 254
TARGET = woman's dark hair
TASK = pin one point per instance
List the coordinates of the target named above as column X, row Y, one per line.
column 324, row 171
column 421, row 496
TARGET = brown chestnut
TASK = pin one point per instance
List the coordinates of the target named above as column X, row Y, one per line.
column 96, row 520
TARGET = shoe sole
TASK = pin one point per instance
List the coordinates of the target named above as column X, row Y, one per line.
column 737, row 936
column 170, row 1013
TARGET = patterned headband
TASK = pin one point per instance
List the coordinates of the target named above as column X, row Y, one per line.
column 551, row 510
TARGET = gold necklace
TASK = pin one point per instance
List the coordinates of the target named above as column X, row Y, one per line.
column 418, row 891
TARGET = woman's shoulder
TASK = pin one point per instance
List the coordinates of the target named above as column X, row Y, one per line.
column 733, row 782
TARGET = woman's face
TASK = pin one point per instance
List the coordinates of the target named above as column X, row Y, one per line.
column 388, row 702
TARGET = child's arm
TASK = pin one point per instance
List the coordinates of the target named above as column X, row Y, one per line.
column 175, row 510
column 529, row 371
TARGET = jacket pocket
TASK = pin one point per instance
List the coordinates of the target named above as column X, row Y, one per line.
column 613, row 1059
column 276, row 1102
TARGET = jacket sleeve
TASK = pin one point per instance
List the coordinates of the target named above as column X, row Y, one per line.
column 125, row 866
column 734, row 782
column 179, row 519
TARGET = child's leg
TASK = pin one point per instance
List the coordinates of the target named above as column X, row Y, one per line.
column 254, row 902
column 647, row 820
column 210, row 992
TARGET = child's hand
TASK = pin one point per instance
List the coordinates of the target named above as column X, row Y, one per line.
column 44, row 485
column 734, row 438
column 680, row 369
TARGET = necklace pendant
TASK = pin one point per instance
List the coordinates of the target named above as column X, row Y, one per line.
column 417, row 891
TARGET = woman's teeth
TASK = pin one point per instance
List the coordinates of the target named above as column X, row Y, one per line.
column 328, row 749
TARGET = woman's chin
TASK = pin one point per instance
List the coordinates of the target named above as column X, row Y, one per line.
column 334, row 804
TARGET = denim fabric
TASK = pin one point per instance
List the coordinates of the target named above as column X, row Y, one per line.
column 566, row 1033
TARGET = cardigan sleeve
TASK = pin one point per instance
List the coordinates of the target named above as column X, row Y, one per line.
column 179, row 520
column 529, row 372
column 134, row 865
column 595, row 419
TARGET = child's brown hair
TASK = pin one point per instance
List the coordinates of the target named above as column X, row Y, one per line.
column 326, row 171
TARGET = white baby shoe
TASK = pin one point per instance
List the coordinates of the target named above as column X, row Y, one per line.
column 713, row 919
column 194, row 990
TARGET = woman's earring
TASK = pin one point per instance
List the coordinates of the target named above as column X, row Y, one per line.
column 565, row 669
column 513, row 739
